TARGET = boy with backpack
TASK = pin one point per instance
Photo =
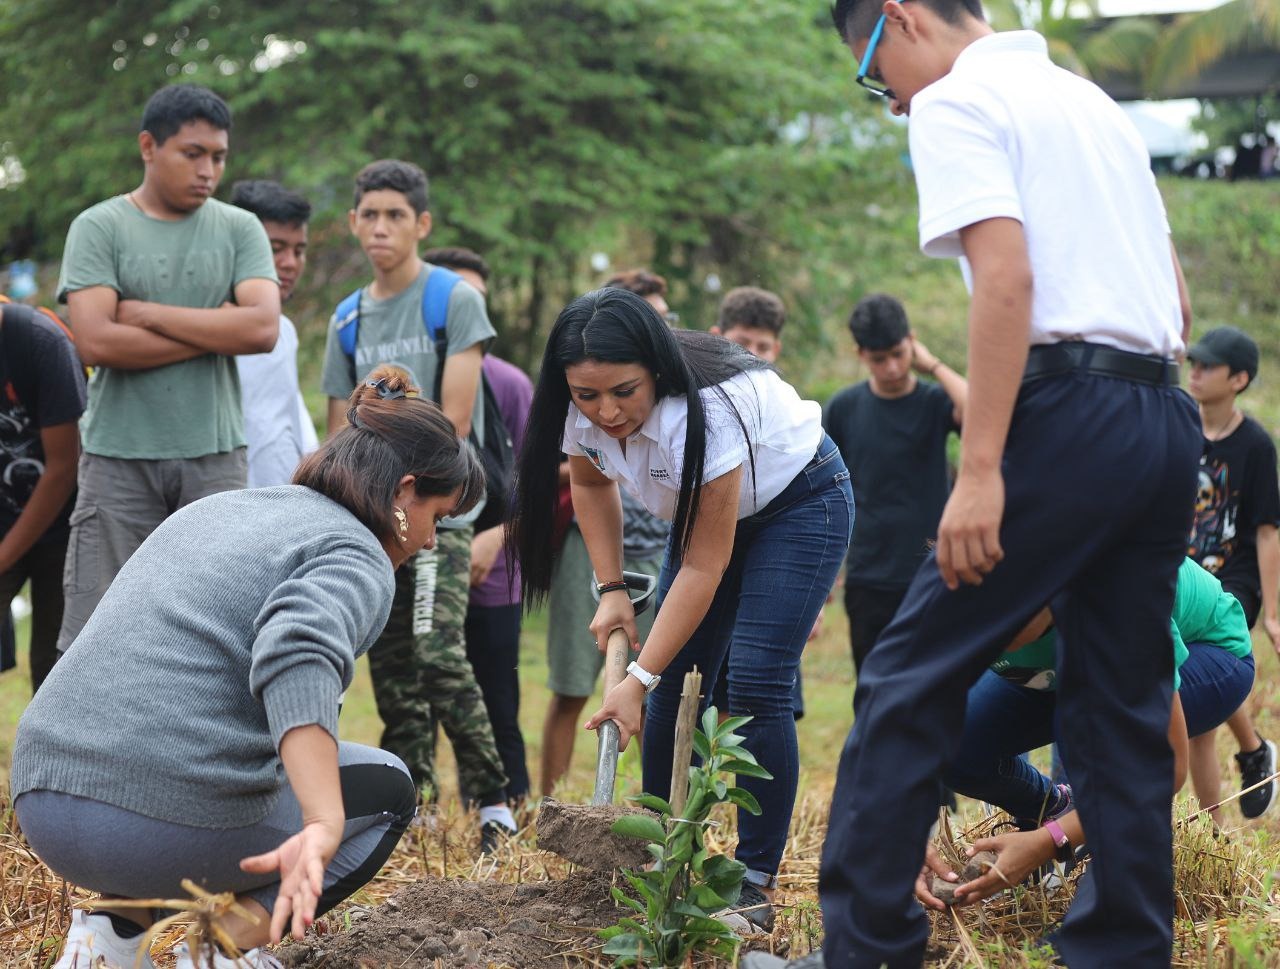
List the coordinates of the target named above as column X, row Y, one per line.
column 42, row 395
column 425, row 319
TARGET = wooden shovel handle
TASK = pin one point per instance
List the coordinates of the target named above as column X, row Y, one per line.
column 615, row 659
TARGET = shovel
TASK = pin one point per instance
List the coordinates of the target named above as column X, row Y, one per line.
column 581, row 833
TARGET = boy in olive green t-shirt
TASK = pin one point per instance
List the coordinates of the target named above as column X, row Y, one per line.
column 164, row 286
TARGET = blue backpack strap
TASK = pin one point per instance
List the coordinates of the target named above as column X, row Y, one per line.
column 435, row 302
column 347, row 320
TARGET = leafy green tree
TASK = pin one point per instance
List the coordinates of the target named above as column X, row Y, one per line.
column 1077, row 42
column 1197, row 40
column 549, row 128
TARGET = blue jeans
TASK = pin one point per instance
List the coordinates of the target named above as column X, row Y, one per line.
column 785, row 561
column 1004, row 720
column 1214, row 684
column 1108, row 568
column 1001, row 723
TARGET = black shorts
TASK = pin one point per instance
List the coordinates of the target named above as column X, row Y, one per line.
column 1249, row 598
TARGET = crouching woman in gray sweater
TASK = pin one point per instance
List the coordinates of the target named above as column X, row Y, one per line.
column 191, row 729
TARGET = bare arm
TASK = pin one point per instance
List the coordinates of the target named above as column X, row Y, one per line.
column 61, row 444
column 956, row 387
column 685, row 605
column 103, row 342
column 598, row 508
column 702, row 568
column 1184, row 297
column 310, row 758
column 1031, row 631
column 458, row 387
column 250, row 325
column 999, row 327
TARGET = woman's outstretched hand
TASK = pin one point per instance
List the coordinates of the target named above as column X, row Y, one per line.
column 301, row 862
column 623, row 704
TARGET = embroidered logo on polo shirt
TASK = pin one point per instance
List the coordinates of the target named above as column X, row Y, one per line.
column 659, row 474
column 594, row 456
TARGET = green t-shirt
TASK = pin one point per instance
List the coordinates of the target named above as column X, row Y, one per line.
column 1202, row 613
column 182, row 410
column 393, row 331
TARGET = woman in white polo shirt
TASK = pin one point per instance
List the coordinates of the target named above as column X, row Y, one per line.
column 709, row 437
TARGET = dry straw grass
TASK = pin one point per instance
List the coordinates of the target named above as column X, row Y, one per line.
column 1228, row 911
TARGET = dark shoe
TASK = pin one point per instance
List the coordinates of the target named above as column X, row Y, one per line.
column 1255, row 767
column 755, row 908
column 762, row 960
column 492, row 834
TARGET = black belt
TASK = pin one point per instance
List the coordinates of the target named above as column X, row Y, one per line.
column 1053, row 359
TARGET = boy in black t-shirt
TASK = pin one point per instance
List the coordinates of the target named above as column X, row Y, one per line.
column 892, row 430
column 42, row 395
column 1234, row 534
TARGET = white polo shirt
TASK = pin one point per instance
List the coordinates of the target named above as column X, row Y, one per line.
column 784, row 432
column 1008, row 133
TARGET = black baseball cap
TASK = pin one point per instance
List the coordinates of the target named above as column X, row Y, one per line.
column 1226, row 344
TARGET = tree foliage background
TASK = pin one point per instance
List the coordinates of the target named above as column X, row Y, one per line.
column 715, row 140
column 720, row 138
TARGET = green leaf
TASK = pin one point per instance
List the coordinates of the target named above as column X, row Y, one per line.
column 643, row 826
column 700, row 746
column 710, row 716
column 744, row 799
column 629, row 944
column 623, row 898
column 745, row 768
column 721, row 788
column 726, row 729
column 705, row 898
column 653, row 803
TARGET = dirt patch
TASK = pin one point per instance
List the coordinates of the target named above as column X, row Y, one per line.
column 464, row 924
column 580, row 833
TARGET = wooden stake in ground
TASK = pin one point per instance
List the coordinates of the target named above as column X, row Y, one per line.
column 686, row 724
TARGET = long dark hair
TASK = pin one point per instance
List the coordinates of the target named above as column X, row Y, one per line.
column 391, row 432
column 615, row 326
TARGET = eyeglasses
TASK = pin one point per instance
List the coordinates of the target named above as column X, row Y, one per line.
column 871, row 84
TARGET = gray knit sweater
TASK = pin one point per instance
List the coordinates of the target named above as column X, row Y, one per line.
column 240, row 618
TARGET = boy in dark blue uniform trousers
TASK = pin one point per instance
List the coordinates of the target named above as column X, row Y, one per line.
column 1075, row 488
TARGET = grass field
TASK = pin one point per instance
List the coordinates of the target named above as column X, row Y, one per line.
column 1228, row 912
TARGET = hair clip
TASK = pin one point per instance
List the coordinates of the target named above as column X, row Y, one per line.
column 384, row 392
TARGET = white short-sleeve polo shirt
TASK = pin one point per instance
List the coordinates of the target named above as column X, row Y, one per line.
column 783, row 429
column 1008, row 134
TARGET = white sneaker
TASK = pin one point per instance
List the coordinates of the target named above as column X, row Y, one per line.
column 92, row 942
column 214, row 959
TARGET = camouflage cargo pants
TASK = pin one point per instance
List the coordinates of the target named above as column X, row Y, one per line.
column 422, row 678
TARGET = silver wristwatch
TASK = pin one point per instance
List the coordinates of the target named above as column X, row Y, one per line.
column 649, row 680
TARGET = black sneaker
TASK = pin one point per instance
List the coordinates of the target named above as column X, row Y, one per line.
column 755, row 907
column 492, row 834
column 1255, row 767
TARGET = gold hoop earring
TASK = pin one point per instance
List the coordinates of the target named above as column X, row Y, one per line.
column 403, row 519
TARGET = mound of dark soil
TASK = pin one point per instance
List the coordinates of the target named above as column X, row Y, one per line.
column 464, row 924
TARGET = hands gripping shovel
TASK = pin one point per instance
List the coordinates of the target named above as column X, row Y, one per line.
column 581, row 833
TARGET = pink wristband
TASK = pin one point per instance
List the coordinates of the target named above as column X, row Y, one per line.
column 1061, row 842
